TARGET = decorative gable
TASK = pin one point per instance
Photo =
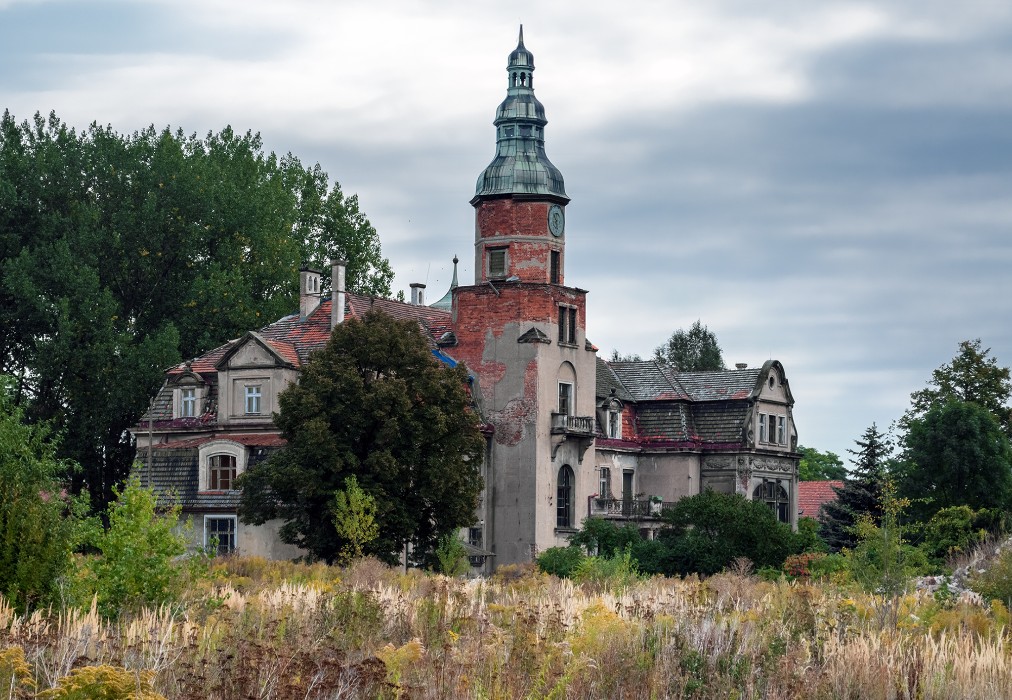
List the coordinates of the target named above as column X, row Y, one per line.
column 254, row 351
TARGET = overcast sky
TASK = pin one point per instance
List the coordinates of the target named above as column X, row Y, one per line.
column 824, row 183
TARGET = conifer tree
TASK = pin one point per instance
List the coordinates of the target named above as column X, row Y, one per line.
column 861, row 493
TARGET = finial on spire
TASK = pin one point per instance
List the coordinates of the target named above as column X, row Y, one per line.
column 520, row 42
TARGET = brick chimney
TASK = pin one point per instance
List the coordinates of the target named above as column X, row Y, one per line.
column 740, row 365
column 309, row 291
column 417, row 294
column 337, row 291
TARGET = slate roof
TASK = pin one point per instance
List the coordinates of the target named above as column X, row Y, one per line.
column 812, row 494
column 607, row 381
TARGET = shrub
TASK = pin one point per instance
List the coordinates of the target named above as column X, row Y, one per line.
column 604, row 538
column 135, row 566
column 560, row 561
column 995, row 583
column 103, row 683
column 950, row 531
column 616, row 572
column 451, row 557
column 807, row 539
column 710, row 530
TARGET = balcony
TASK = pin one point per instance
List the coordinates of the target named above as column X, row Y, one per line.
column 626, row 508
column 579, row 428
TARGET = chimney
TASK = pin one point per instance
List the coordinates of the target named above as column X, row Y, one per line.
column 309, row 291
column 740, row 365
column 337, row 292
column 417, row 294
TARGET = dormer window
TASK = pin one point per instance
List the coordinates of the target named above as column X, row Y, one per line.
column 253, row 397
column 221, row 473
column 188, row 402
column 614, row 424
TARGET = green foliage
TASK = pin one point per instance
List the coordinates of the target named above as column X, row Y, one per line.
column 374, row 404
column 103, row 683
column 451, row 556
column 956, row 454
column 807, row 537
column 996, row 581
column 707, row 532
column 615, row 572
column 694, row 350
column 883, row 562
column 860, row 495
column 820, row 466
column 355, row 519
column 37, row 527
column 122, row 254
column 135, row 564
column 973, row 377
column 616, row 356
column 951, row 531
column 560, row 561
column 605, row 538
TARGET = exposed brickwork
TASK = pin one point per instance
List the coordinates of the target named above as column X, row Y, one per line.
column 512, row 421
column 522, row 227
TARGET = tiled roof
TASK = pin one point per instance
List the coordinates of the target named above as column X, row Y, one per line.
column 646, row 381
column 607, row 381
column 812, row 494
column 251, row 440
column 295, row 339
column 719, row 386
column 720, row 422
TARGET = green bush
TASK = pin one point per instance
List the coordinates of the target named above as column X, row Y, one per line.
column 996, row 582
column 807, row 539
column 952, row 530
column 615, row 572
column 707, row 532
column 37, row 520
column 560, row 561
column 604, row 538
column 135, row 564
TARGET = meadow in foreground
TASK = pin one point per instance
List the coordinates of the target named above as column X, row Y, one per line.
column 257, row 629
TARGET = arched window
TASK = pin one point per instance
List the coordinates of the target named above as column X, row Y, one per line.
column 773, row 494
column 564, row 497
column 221, row 473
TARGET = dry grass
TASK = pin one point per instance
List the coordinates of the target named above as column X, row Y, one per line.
column 265, row 630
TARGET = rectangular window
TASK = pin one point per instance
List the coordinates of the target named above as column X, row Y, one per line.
column 565, row 398
column 555, row 267
column 567, row 325
column 474, row 537
column 253, row 399
column 762, row 427
column 781, row 430
column 221, row 473
column 604, row 489
column 614, row 425
column 219, row 532
column 771, row 434
column 497, row 262
column 188, row 403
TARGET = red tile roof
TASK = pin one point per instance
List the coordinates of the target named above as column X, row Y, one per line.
column 812, row 494
column 265, row 440
column 294, row 338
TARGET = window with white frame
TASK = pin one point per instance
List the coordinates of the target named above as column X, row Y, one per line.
column 781, row 430
column 221, row 473
column 253, row 397
column 188, row 402
column 762, row 427
column 565, row 398
column 219, row 533
column 614, row 424
column 604, row 488
column 771, row 434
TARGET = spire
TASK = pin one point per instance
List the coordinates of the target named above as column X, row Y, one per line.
column 446, row 302
column 520, row 165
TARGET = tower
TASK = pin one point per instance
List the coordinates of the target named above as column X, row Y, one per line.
column 521, row 331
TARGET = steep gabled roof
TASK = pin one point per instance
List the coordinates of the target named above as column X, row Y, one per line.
column 646, row 380
column 719, row 386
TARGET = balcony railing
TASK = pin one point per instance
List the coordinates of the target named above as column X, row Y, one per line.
column 582, row 426
column 634, row 509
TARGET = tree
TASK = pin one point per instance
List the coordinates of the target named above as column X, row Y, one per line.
column 616, row 356
column 972, row 376
column 374, row 403
column 956, row 454
column 136, row 563
column 708, row 531
column 861, row 492
column 355, row 519
column 820, row 466
column 36, row 532
column 122, row 254
column 695, row 350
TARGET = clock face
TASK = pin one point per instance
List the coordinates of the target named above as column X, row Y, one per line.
column 556, row 220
